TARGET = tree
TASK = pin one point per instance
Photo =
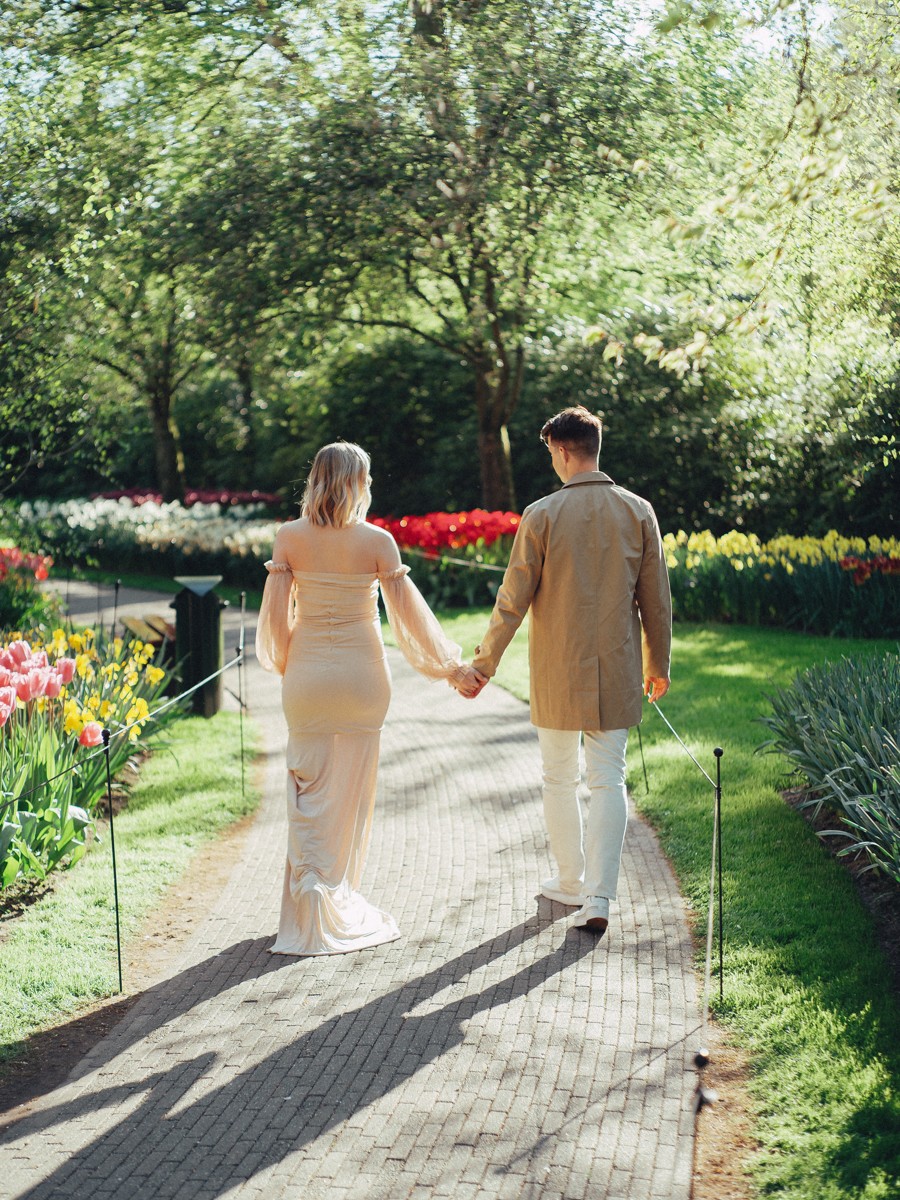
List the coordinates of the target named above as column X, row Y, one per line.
column 463, row 164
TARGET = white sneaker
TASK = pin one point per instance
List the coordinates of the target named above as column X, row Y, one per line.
column 552, row 890
column 593, row 915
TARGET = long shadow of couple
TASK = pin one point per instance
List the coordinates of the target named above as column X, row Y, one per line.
column 285, row 1101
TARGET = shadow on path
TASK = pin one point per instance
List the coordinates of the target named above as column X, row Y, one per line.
column 289, row 1098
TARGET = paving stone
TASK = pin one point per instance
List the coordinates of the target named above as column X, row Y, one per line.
column 492, row 1053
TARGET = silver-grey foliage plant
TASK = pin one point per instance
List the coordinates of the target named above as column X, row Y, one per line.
column 838, row 724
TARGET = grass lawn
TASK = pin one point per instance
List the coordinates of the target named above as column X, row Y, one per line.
column 60, row 954
column 806, row 988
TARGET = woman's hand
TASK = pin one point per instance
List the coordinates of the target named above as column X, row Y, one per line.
column 471, row 683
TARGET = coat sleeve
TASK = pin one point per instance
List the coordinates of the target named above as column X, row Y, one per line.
column 276, row 618
column 417, row 631
column 654, row 603
column 520, row 582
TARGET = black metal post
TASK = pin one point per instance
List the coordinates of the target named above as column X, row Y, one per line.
column 112, row 631
column 112, row 842
column 241, row 687
column 718, row 752
column 643, row 764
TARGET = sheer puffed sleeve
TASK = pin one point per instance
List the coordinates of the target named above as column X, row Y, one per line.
column 417, row 631
column 276, row 618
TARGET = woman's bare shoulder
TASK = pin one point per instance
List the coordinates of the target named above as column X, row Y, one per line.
column 382, row 542
column 290, row 529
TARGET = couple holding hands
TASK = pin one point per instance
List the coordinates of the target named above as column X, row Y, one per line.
column 588, row 563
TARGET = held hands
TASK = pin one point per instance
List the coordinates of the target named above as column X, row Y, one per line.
column 471, row 684
column 655, row 688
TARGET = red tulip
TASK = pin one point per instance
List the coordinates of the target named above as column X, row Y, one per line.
column 91, row 735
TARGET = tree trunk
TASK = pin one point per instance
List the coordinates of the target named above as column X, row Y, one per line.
column 166, row 450
column 496, row 396
column 497, row 490
column 244, row 373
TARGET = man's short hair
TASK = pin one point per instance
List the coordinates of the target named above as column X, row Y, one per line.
column 575, row 428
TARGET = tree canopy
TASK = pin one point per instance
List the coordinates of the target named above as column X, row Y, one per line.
column 210, row 209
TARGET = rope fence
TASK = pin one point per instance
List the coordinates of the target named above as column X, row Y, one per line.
column 456, row 562
column 701, row 1058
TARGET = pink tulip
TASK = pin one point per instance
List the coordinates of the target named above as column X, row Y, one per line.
column 52, row 684
column 66, row 669
column 19, row 652
column 39, row 659
column 5, row 677
column 28, row 686
column 91, row 735
column 7, row 704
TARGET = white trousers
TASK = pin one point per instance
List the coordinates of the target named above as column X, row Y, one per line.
column 588, row 858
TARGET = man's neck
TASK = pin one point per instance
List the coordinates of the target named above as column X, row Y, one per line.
column 580, row 466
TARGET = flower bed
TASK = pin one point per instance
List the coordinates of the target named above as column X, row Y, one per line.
column 55, row 697
column 21, row 603
column 830, row 585
column 163, row 539
column 457, row 558
column 221, row 496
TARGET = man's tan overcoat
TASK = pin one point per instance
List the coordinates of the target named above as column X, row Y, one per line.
column 589, row 563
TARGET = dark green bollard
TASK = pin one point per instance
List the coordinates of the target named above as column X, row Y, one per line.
column 199, row 647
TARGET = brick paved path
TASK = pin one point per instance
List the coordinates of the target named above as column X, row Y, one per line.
column 492, row 1052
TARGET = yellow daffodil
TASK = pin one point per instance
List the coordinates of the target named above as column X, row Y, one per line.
column 73, row 723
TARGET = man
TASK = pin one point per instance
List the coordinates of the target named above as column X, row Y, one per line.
column 588, row 562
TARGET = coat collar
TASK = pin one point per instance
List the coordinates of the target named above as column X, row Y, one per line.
column 588, row 477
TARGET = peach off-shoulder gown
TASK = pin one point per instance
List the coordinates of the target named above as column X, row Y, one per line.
column 322, row 633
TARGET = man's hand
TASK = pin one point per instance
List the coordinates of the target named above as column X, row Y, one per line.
column 655, row 688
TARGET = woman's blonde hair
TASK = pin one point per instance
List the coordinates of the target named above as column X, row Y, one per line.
column 337, row 490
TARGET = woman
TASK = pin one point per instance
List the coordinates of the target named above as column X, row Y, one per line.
column 319, row 628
